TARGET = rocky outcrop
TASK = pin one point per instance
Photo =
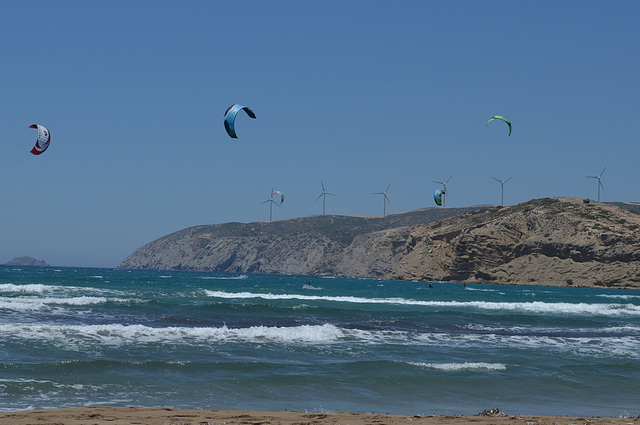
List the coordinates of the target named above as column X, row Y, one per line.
column 327, row 244
column 562, row 241
column 27, row 261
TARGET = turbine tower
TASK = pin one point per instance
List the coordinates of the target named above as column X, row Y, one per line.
column 385, row 199
column 502, row 182
column 271, row 202
column 599, row 181
column 323, row 195
column 444, row 184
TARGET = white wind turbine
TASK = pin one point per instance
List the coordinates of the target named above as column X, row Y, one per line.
column 385, row 199
column 444, row 184
column 599, row 181
column 323, row 195
column 502, row 182
column 271, row 202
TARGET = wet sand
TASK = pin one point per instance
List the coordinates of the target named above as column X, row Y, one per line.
column 104, row 415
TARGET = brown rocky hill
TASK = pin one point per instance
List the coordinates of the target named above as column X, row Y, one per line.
column 326, row 244
column 560, row 242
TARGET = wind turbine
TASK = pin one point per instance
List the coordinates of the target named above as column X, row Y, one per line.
column 444, row 184
column 323, row 195
column 271, row 201
column 599, row 182
column 385, row 199
column 502, row 182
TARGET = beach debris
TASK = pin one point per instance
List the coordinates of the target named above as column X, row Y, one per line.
column 44, row 137
column 230, row 118
column 437, row 196
column 500, row 117
column 493, row 413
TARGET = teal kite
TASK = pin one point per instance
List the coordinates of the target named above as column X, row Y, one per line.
column 437, row 196
column 230, row 118
column 498, row 117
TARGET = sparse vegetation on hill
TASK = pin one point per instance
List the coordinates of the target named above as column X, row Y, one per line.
column 550, row 241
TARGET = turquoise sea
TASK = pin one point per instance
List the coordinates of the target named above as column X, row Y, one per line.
column 76, row 337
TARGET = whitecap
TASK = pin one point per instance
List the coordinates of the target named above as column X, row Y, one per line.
column 533, row 307
column 454, row 367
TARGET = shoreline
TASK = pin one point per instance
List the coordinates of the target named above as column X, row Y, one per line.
column 112, row 415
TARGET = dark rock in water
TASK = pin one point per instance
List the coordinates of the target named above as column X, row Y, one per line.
column 27, row 261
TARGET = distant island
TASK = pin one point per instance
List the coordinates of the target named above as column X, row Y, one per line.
column 550, row 241
column 27, row 261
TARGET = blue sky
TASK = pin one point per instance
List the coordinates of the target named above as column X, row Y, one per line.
column 357, row 94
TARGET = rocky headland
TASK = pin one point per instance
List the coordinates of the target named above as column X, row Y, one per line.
column 550, row 241
column 27, row 261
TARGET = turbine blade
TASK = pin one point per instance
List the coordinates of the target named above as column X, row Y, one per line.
column 602, row 171
column 496, row 179
column 508, row 179
column 319, row 196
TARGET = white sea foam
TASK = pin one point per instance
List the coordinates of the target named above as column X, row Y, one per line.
column 480, row 289
column 239, row 277
column 454, row 367
column 524, row 307
column 117, row 334
column 621, row 297
column 79, row 336
column 38, row 288
column 37, row 303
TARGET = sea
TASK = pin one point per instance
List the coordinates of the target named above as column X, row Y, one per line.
column 72, row 337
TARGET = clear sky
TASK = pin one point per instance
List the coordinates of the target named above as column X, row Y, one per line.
column 356, row 94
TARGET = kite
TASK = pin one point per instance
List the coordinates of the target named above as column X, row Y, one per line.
column 281, row 195
column 500, row 118
column 230, row 118
column 44, row 137
column 437, row 196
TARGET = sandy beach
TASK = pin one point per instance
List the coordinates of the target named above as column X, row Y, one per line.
column 105, row 415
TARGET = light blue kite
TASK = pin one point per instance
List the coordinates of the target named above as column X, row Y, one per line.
column 230, row 118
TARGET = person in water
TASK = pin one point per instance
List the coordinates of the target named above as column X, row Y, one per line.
column 308, row 283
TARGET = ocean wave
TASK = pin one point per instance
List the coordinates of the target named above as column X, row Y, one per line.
column 35, row 303
column 238, row 277
column 35, row 288
column 81, row 337
column 117, row 334
column 620, row 297
column 454, row 367
column 39, row 288
column 609, row 309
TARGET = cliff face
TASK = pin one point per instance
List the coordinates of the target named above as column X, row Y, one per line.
column 329, row 245
column 562, row 241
